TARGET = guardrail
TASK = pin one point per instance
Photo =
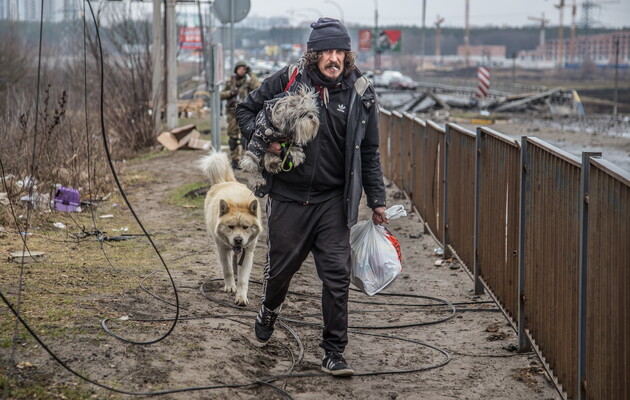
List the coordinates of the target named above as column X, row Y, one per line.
column 496, row 85
column 546, row 234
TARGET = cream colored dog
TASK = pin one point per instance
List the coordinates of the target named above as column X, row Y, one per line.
column 233, row 221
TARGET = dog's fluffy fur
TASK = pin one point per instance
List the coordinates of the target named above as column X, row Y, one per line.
column 293, row 117
column 233, row 220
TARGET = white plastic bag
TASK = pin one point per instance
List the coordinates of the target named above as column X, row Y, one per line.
column 376, row 258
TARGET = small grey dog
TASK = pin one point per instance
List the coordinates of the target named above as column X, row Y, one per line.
column 291, row 118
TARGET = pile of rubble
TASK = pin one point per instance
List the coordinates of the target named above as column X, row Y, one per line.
column 556, row 101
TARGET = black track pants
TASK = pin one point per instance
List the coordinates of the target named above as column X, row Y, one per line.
column 294, row 231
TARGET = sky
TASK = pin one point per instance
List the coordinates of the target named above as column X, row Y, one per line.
column 611, row 13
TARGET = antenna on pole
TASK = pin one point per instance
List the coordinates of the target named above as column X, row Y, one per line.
column 543, row 23
column 438, row 33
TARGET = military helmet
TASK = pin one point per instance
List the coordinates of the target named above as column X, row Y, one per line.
column 239, row 63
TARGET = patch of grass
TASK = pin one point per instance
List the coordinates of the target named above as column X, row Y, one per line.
column 40, row 390
column 178, row 197
column 149, row 155
column 138, row 178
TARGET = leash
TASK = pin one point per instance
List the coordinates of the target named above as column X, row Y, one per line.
column 286, row 153
column 240, row 262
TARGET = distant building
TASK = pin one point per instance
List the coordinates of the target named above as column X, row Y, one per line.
column 30, row 10
column 599, row 48
column 491, row 51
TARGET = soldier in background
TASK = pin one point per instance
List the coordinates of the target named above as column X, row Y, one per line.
column 236, row 90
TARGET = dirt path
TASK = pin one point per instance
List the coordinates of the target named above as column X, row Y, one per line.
column 214, row 344
column 213, row 350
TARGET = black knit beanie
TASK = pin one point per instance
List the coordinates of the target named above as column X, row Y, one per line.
column 328, row 34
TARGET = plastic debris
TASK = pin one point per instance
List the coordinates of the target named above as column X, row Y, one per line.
column 67, row 200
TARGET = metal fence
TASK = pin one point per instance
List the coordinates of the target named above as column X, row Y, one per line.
column 434, row 177
column 549, row 256
column 604, row 340
column 546, row 234
column 459, row 193
column 419, row 146
column 496, row 211
column 396, row 148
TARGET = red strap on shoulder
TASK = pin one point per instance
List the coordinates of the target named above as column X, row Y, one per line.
column 293, row 75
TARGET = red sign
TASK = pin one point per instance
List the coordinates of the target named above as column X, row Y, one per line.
column 190, row 38
column 365, row 40
column 389, row 40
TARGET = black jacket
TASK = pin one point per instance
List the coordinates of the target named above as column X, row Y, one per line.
column 356, row 149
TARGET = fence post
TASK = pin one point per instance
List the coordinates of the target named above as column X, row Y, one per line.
column 424, row 176
column 523, row 343
column 403, row 126
column 412, row 158
column 583, row 207
column 390, row 128
column 445, row 239
column 477, row 282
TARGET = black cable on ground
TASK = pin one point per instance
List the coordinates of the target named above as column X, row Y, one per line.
column 103, row 386
column 400, row 326
column 122, row 192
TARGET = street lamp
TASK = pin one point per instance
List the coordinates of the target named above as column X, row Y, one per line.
column 334, row 3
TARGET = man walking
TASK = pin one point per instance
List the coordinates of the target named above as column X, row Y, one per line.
column 236, row 90
column 311, row 208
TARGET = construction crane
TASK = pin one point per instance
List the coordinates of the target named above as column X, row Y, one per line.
column 438, row 32
column 543, row 22
column 586, row 6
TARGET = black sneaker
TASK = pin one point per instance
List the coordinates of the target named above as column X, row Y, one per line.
column 265, row 322
column 333, row 363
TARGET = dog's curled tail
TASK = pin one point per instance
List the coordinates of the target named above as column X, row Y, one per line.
column 216, row 166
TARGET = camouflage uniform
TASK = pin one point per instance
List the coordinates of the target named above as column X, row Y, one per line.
column 234, row 91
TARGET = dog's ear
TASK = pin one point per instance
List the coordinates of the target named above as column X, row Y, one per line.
column 253, row 208
column 223, row 207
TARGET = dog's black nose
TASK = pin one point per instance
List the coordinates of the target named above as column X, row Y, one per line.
column 238, row 240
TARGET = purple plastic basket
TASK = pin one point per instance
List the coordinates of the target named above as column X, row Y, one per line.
column 67, row 199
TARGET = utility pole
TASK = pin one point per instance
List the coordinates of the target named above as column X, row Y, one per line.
column 377, row 61
column 156, row 81
column 572, row 43
column 438, row 37
column 560, row 7
column 171, row 66
column 543, row 22
column 616, row 75
column 466, row 35
column 232, row 18
column 422, row 42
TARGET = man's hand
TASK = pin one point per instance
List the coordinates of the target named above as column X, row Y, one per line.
column 378, row 216
column 275, row 148
column 234, row 92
